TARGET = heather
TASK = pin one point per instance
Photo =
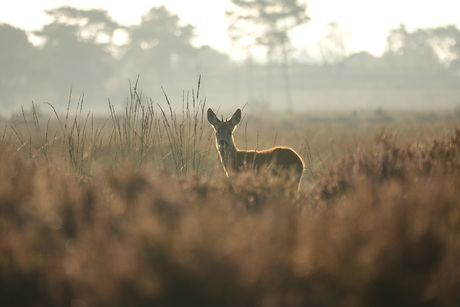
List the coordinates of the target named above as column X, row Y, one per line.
column 124, row 212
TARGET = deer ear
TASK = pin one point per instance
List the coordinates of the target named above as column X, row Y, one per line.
column 212, row 118
column 236, row 118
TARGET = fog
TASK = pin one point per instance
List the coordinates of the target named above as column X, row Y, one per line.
column 86, row 55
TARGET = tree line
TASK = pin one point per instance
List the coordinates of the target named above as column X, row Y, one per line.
column 80, row 50
column 87, row 51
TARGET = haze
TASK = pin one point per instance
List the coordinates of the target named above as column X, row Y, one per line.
column 315, row 74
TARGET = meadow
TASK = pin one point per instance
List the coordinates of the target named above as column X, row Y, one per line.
column 135, row 210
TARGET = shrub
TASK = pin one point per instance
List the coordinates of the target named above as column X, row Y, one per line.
column 134, row 238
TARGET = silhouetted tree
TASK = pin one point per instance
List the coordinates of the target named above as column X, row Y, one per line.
column 235, row 32
column 158, row 42
column 16, row 56
column 268, row 23
column 410, row 49
column 334, row 45
column 76, row 49
column 446, row 43
column 209, row 58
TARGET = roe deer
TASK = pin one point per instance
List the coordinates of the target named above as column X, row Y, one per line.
column 277, row 159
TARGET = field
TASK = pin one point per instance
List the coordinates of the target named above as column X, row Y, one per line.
column 134, row 210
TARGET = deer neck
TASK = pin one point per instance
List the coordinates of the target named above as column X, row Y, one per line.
column 228, row 157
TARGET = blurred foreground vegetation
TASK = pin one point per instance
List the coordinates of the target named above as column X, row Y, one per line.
column 134, row 210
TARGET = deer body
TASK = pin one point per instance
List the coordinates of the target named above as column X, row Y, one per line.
column 277, row 159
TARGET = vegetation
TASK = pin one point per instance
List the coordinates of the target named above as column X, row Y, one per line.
column 135, row 210
column 267, row 24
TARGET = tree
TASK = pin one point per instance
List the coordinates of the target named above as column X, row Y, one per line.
column 76, row 49
column 446, row 43
column 334, row 45
column 411, row 50
column 16, row 56
column 268, row 23
column 94, row 25
column 158, row 42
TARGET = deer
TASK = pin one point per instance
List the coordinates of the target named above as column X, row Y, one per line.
column 280, row 160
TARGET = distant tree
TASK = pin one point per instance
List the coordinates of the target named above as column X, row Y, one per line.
column 268, row 23
column 209, row 58
column 93, row 26
column 334, row 45
column 446, row 43
column 411, row 49
column 240, row 49
column 362, row 61
column 158, row 42
column 16, row 55
column 76, row 49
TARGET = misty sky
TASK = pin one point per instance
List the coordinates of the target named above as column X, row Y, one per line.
column 366, row 21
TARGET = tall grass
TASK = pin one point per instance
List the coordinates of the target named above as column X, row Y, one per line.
column 72, row 138
column 80, row 136
column 189, row 136
column 133, row 135
column 144, row 134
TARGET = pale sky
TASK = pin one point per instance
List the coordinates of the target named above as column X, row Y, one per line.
column 367, row 21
